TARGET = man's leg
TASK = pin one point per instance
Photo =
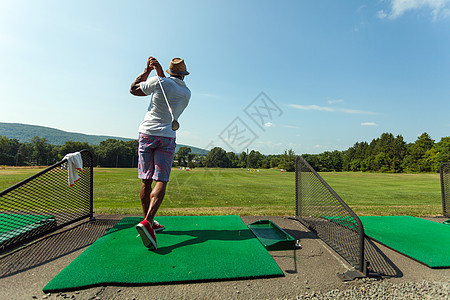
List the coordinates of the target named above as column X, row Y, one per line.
column 145, row 228
column 163, row 159
column 146, row 190
column 156, row 198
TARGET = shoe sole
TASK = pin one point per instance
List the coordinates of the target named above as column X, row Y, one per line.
column 146, row 237
column 158, row 229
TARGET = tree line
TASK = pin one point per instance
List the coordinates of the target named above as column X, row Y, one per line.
column 109, row 153
column 388, row 153
column 219, row 158
column 117, row 153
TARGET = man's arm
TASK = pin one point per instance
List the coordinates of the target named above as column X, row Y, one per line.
column 152, row 63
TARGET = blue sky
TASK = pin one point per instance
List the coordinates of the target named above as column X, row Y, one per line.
column 311, row 76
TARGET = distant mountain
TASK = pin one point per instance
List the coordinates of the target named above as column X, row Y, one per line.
column 24, row 133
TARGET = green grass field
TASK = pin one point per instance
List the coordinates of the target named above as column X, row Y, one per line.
column 267, row 192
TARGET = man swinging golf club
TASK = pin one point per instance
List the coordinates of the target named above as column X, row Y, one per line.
column 170, row 96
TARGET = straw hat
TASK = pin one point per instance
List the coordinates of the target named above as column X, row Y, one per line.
column 177, row 67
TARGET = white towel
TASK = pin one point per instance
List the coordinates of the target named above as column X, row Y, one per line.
column 74, row 163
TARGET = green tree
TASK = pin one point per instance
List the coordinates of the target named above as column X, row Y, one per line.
column 131, row 154
column 242, row 160
column 254, row 159
column 288, row 159
column 9, row 151
column 41, row 150
column 438, row 154
column 387, row 153
column 183, row 155
column 398, row 151
column 274, row 161
column 384, row 154
column 71, row 147
column 354, row 156
column 233, row 159
column 199, row 160
column 112, row 153
column 24, row 154
column 217, row 157
column 190, row 158
column 416, row 159
column 330, row 161
column 265, row 163
column 312, row 160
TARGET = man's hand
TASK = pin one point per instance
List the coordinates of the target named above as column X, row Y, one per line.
column 152, row 63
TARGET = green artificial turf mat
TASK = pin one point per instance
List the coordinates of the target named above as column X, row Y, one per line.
column 423, row 240
column 191, row 248
column 14, row 225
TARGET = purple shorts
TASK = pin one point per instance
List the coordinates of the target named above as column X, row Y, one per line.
column 156, row 154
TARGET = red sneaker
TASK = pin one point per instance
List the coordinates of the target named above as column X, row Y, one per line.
column 157, row 227
column 147, row 235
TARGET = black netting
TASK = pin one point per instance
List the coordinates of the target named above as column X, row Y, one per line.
column 445, row 188
column 45, row 202
column 320, row 209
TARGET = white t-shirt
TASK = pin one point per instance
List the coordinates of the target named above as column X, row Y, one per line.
column 157, row 120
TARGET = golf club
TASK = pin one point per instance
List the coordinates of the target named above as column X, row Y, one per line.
column 175, row 124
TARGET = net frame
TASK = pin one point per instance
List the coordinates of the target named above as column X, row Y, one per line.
column 321, row 210
column 45, row 202
column 445, row 188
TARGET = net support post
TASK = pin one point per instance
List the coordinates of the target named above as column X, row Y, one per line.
column 91, row 185
column 444, row 171
column 351, row 275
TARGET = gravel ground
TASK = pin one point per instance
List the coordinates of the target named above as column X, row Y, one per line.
column 376, row 289
column 368, row 289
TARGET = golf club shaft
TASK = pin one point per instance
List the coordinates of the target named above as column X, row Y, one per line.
column 164, row 94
